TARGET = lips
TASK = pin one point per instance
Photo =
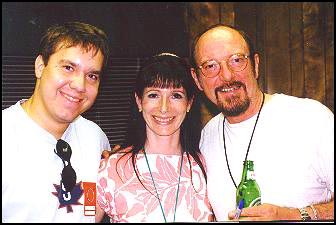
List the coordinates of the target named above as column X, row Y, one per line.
column 71, row 98
column 163, row 120
column 229, row 88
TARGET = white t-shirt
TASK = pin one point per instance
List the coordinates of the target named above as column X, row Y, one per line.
column 31, row 171
column 292, row 150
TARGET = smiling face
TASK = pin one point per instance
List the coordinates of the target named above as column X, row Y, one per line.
column 163, row 110
column 232, row 92
column 68, row 84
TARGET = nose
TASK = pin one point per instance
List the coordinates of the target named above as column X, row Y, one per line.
column 225, row 73
column 78, row 82
column 164, row 104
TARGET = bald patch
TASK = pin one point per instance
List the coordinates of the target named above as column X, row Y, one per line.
column 225, row 37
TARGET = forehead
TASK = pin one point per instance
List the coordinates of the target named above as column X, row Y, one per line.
column 79, row 55
column 80, row 47
column 221, row 39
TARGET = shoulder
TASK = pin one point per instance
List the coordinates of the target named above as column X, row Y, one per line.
column 211, row 129
column 213, row 122
column 87, row 124
column 11, row 110
column 12, row 117
column 88, row 127
column 304, row 106
column 90, row 134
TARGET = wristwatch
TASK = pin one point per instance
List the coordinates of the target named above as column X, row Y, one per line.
column 304, row 214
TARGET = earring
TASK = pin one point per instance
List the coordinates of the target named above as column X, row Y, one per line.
column 140, row 110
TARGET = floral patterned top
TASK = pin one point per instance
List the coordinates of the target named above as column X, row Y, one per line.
column 124, row 199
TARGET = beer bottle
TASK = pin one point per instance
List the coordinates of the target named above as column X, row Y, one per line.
column 248, row 190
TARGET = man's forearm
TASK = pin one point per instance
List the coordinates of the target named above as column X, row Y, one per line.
column 322, row 211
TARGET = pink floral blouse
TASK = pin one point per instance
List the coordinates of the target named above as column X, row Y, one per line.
column 124, row 199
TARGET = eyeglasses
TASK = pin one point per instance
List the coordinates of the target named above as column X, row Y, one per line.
column 63, row 150
column 235, row 63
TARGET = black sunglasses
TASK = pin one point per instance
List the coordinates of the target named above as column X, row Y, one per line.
column 63, row 150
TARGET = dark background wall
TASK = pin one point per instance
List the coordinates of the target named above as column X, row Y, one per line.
column 295, row 41
column 134, row 29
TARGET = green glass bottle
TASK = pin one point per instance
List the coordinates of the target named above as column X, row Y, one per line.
column 248, row 190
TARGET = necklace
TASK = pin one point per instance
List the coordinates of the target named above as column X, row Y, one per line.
column 248, row 148
column 157, row 194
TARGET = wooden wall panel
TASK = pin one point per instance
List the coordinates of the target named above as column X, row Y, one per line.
column 296, row 49
column 295, row 41
column 261, row 45
column 248, row 16
column 329, row 52
column 314, row 64
column 227, row 13
column 277, row 48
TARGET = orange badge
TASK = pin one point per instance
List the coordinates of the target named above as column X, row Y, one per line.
column 89, row 198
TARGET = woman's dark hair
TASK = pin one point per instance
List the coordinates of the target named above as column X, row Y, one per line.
column 72, row 34
column 166, row 71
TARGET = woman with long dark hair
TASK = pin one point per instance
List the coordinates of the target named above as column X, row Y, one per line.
column 161, row 176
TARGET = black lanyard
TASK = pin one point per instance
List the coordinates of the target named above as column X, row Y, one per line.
column 248, row 148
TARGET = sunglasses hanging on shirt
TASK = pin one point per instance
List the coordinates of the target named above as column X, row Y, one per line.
column 63, row 150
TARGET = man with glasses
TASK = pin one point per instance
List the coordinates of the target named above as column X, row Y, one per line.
column 50, row 153
column 290, row 139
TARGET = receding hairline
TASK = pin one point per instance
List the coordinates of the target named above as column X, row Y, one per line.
column 213, row 30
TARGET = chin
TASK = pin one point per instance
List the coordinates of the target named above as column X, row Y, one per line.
column 160, row 133
column 68, row 118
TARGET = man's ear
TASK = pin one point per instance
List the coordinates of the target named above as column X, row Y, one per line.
column 39, row 66
column 138, row 101
column 256, row 65
column 194, row 75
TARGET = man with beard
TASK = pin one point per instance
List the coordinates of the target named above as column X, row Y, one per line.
column 290, row 139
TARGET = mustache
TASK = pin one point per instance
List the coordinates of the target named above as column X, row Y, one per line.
column 229, row 85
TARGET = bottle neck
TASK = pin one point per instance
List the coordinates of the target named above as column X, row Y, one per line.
column 248, row 171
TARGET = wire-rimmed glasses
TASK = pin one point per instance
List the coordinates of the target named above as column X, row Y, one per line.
column 235, row 63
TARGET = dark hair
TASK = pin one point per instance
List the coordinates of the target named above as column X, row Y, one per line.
column 72, row 34
column 163, row 71
column 247, row 39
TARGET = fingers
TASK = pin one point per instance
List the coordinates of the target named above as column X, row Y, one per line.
column 231, row 215
column 247, row 214
column 116, row 147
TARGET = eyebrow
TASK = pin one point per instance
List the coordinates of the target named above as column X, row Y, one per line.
column 66, row 61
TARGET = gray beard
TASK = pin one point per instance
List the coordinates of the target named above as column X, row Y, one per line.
column 236, row 109
column 234, row 106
